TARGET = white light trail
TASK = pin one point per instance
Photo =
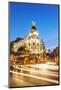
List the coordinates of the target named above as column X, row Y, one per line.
column 36, row 71
column 36, row 77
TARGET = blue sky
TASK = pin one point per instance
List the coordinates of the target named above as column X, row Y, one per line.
column 45, row 16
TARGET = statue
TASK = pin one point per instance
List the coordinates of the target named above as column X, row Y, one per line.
column 33, row 23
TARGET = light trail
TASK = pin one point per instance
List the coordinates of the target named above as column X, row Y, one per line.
column 36, row 77
column 31, row 70
column 44, row 66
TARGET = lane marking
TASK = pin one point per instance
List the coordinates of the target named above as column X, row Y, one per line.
column 40, row 78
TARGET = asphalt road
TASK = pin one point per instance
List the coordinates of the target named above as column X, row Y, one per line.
column 32, row 75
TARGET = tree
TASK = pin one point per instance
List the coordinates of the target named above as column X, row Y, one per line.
column 11, row 48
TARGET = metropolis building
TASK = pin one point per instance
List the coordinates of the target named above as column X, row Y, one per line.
column 33, row 45
column 31, row 41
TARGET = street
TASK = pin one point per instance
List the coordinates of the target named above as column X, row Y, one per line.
column 32, row 75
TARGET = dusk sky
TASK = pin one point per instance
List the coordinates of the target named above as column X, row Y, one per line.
column 45, row 16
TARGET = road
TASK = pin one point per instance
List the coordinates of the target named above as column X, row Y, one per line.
column 32, row 75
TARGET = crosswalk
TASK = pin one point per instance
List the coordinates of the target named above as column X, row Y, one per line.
column 42, row 72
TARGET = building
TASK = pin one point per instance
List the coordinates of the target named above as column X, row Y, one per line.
column 31, row 41
column 34, row 47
